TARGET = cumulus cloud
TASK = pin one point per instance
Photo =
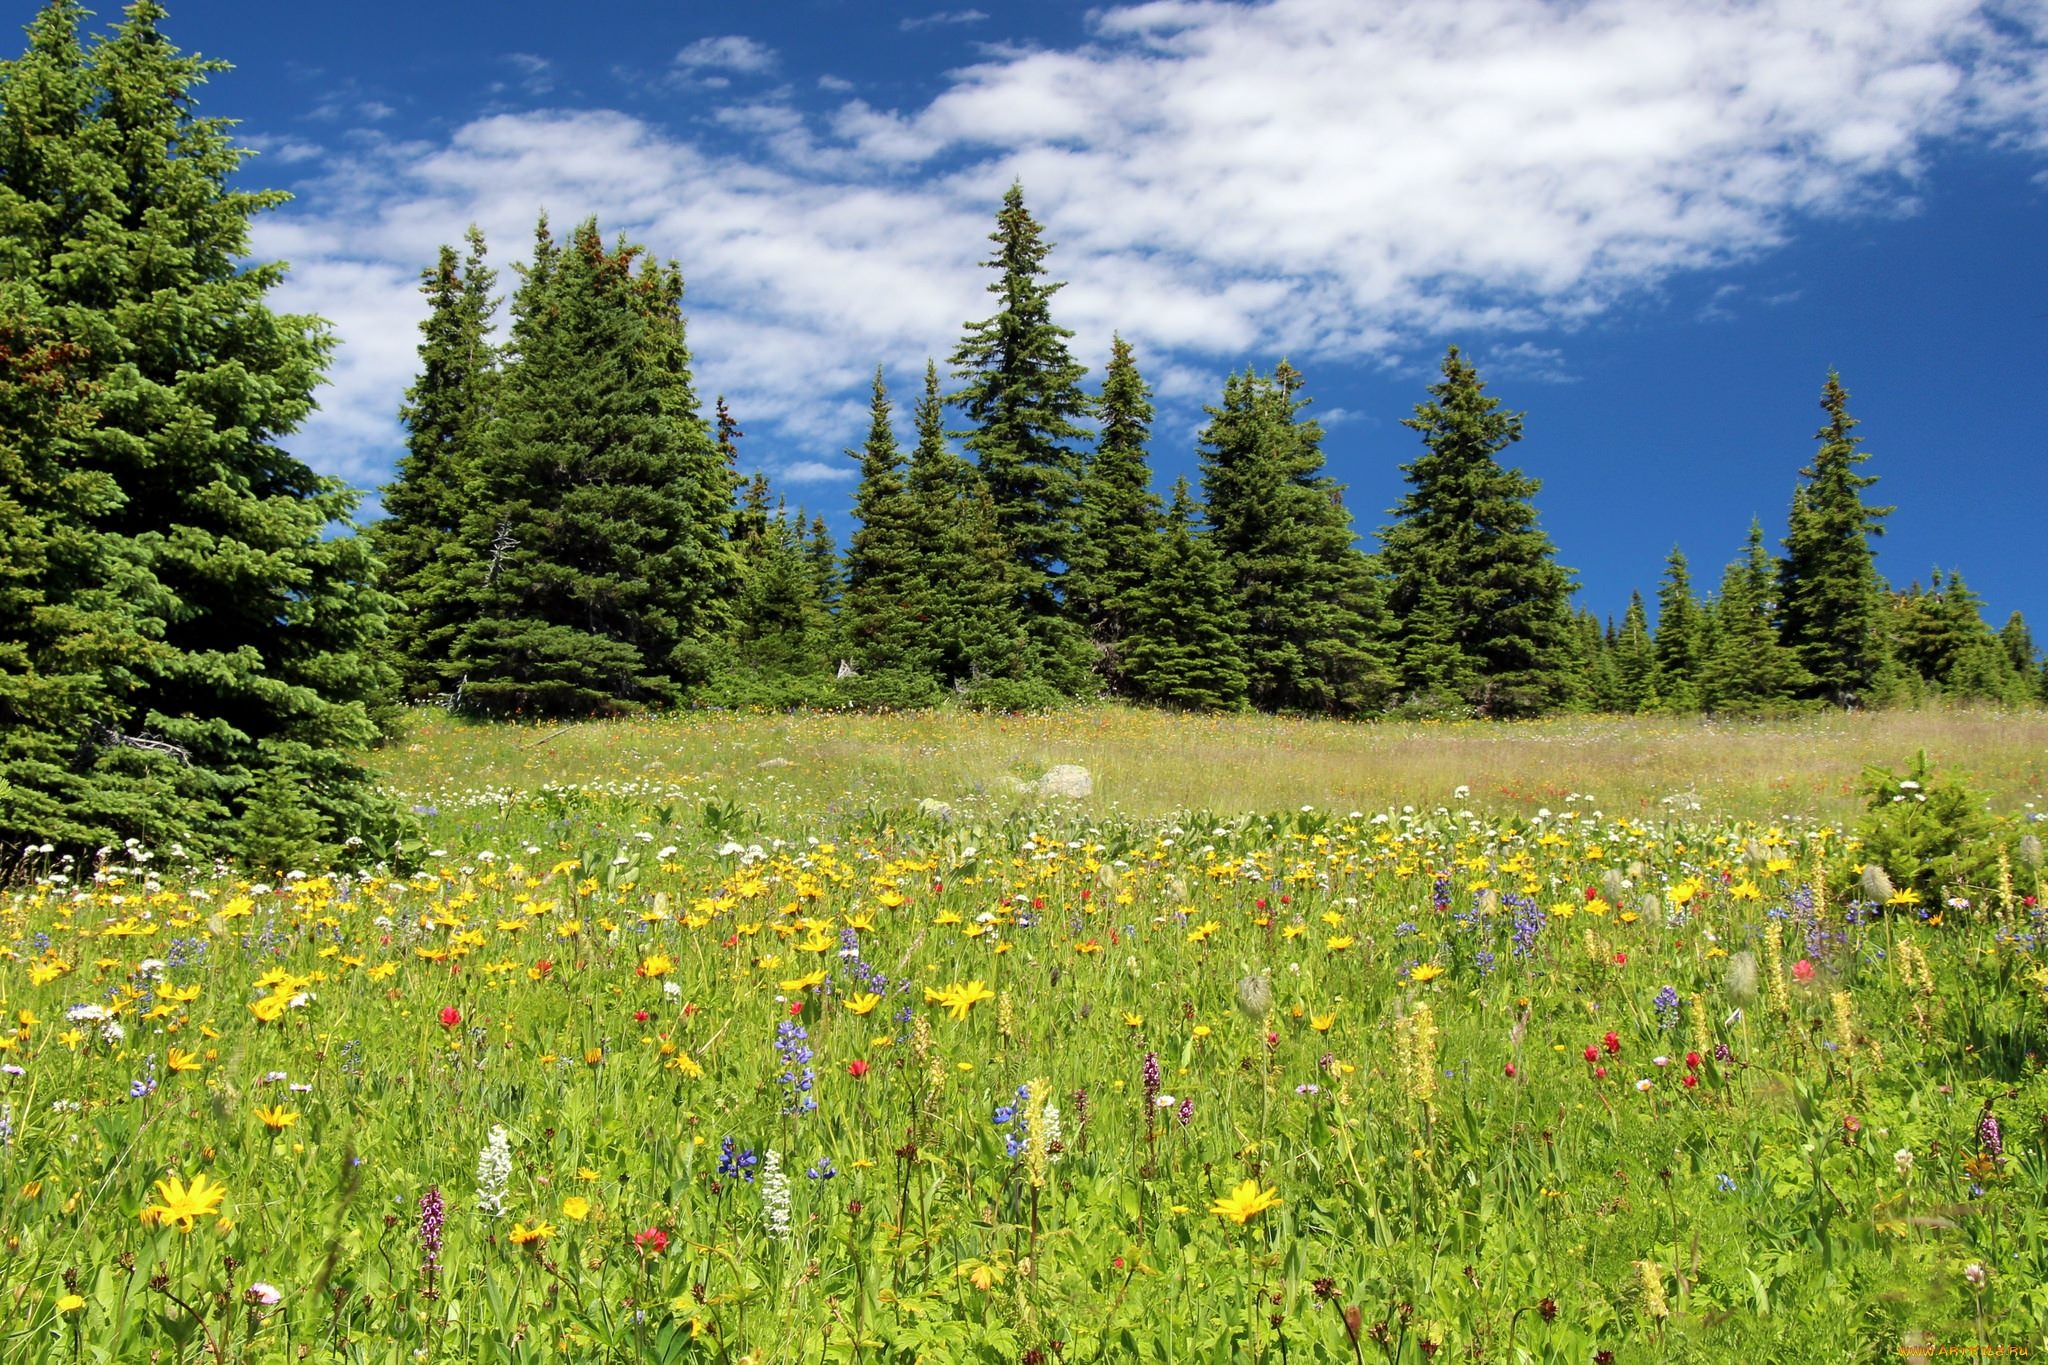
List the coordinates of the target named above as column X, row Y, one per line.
column 1225, row 183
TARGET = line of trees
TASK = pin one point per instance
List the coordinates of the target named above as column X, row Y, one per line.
column 1021, row 557
column 190, row 656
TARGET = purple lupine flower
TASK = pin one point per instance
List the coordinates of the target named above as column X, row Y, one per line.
column 431, row 1217
column 1989, row 1136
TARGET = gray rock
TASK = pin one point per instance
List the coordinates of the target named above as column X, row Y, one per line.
column 775, row 763
column 1067, row 779
column 935, row 808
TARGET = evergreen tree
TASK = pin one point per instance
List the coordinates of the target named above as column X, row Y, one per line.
column 181, row 633
column 883, row 612
column 1022, row 399
column 2018, row 643
column 1635, row 659
column 604, row 504
column 1681, row 641
column 1181, row 649
column 1747, row 668
column 1119, row 516
column 1587, row 660
column 781, row 634
column 447, row 415
column 1481, row 604
column 1313, row 604
column 972, row 630
column 1830, row 594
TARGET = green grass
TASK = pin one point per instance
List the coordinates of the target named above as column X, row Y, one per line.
column 1381, row 1021
column 1147, row 763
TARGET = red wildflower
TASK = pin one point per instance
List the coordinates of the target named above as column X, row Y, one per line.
column 1593, row 1053
column 1803, row 969
column 1692, row 1061
column 856, row 1069
column 1612, row 1043
column 450, row 1017
column 639, row 1016
column 652, row 1242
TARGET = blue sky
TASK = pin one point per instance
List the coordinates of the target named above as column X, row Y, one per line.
column 1656, row 224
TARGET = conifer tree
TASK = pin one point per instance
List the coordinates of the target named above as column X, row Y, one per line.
column 1635, row 659
column 781, row 634
column 1587, row 660
column 181, row 634
column 603, row 509
column 1680, row 636
column 1831, row 597
column 1313, row 605
column 1480, row 602
column 1120, row 515
column 1747, row 668
column 447, row 415
column 2018, row 642
column 972, row 630
column 1181, row 649
column 883, row 609
column 1022, row 400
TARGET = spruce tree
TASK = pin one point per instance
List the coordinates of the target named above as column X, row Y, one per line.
column 1181, row 649
column 882, row 612
column 1313, row 606
column 2018, row 642
column 972, row 629
column 1635, row 659
column 1120, row 516
column 1831, row 597
column 602, row 510
column 447, row 415
column 781, row 631
column 1747, row 668
column 1481, row 604
column 1680, row 636
column 182, row 635
column 1022, row 400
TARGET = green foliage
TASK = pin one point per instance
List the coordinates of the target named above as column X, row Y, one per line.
column 1681, row 637
column 883, row 612
column 1747, row 670
column 1120, row 517
column 1022, row 399
column 1479, row 602
column 178, row 619
column 595, row 550
column 1831, row 598
column 447, row 415
column 1312, row 605
column 889, row 689
column 1931, row 835
column 1182, row 649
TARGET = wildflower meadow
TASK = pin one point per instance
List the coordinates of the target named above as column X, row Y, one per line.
column 626, row 1070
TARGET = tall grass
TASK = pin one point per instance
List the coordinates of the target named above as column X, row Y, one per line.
column 1147, row 763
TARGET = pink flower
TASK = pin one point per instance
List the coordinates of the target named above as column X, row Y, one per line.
column 856, row 1069
column 652, row 1242
column 450, row 1017
column 1803, row 969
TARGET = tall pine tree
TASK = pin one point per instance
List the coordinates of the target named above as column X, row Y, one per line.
column 1681, row 636
column 189, row 652
column 602, row 511
column 1312, row 602
column 1022, row 400
column 882, row 612
column 1481, row 604
column 1830, row 594
column 1747, row 668
column 447, row 416
column 1119, row 515
column 972, row 630
column 1182, row 648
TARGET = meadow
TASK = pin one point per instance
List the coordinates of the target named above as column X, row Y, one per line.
column 769, row 1038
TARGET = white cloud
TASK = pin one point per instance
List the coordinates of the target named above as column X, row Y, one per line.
column 817, row 471
column 944, row 17
column 731, row 54
column 1225, row 183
